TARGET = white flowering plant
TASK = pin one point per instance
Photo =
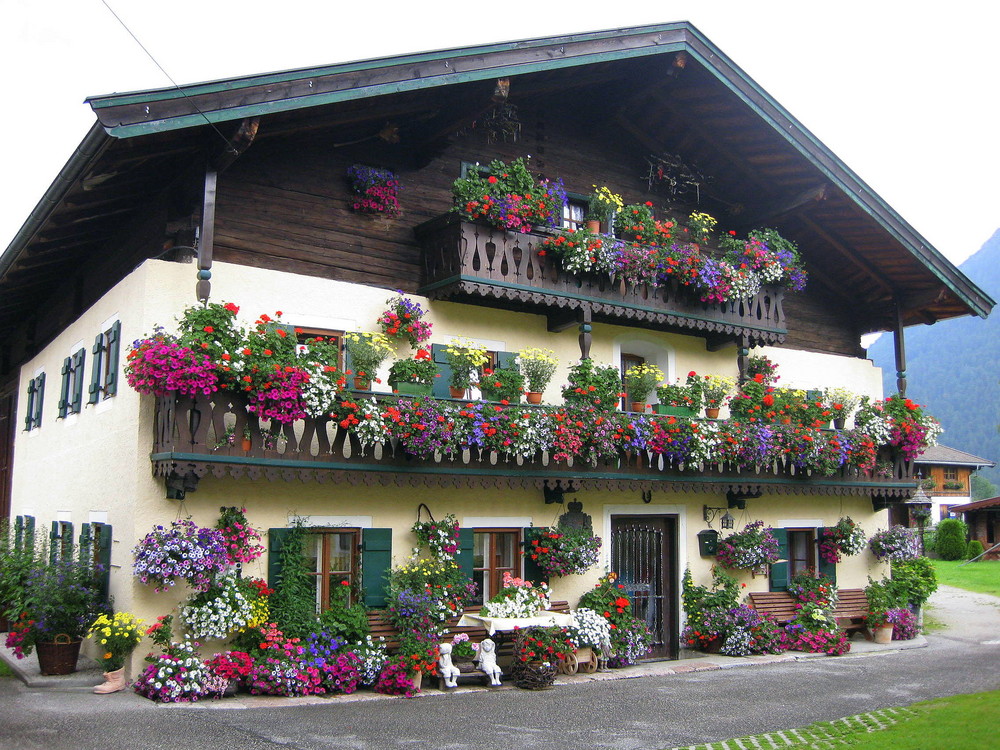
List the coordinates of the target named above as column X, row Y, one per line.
column 218, row 612
column 175, row 676
column 373, row 656
column 517, row 598
column 591, row 629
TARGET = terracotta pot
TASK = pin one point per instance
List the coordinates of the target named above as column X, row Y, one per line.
column 883, row 634
column 639, row 406
column 712, row 412
column 245, row 444
column 362, row 384
column 593, row 225
column 457, row 392
column 533, row 397
column 59, row 656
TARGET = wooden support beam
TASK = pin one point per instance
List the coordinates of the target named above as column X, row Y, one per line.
column 239, row 142
column 206, row 244
column 850, row 254
column 900, row 348
column 783, row 207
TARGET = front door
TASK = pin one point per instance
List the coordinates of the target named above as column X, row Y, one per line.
column 644, row 555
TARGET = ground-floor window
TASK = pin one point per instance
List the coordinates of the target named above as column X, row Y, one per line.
column 333, row 558
column 494, row 552
column 801, row 551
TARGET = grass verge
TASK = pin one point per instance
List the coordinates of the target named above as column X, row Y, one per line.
column 983, row 577
column 5, row 671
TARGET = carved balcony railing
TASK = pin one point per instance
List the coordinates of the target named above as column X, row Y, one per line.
column 190, row 441
column 479, row 264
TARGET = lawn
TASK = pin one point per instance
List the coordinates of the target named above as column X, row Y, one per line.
column 961, row 722
column 982, row 577
column 5, row 671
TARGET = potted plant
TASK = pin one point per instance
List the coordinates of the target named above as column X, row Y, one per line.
column 753, row 548
column 413, row 377
column 593, row 385
column 465, row 358
column 184, row 551
column 367, row 351
column 601, row 208
column 640, row 381
column 680, row 399
column 116, row 637
column 61, row 599
column 403, row 320
column 517, row 598
column 539, row 652
column 716, row 389
column 508, row 196
column 700, row 226
column 503, row 384
column 538, row 366
column 562, row 551
column 630, row 638
column 882, row 596
column 842, row 402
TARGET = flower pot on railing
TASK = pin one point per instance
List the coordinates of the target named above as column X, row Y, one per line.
column 712, row 412
column 457, row 392
column 59, row 656
column 362, row 383
column 638, row 406
column 533, row 397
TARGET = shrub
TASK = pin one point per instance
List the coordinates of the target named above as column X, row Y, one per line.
column 916, row 577
column 975, row 549
column 951, row 543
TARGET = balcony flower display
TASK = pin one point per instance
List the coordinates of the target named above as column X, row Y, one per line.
column 593, row 385
column 582, row 251
column 503, row 384
column 508, row 196
column 403, row 320
column 367, row 351
column 842, row 402
column 716, row 389
column 418, row 369
column 641, row 380
column 158, row 364
column 375, row 190
column 561, row 551
column 774, row 259
column 465, row 358
column 687, row 395
column 319, row 359
column 603, row 204
column 749, row 549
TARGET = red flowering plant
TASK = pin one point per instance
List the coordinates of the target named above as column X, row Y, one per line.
column 375, row 190
column 580, row 251
column 212, row 329
column 403, row 319
column 562, row 551
column 547, row 645
column 509, row 197
column 630, row 638
column 912, row 431
column 594, row 385
column 241, row 540
column 418, row 369
column 687, row 395
column 271, row 375
column 846, row 538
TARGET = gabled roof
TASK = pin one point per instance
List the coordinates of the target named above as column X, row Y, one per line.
column 942, row 454
column 666, row 87
column 993, row 502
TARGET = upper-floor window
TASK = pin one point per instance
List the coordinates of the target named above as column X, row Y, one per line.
column 574, row 212
column 36, row 395
column 104, row 372
column 71, row 390
column 950, row 474
column 302, row 335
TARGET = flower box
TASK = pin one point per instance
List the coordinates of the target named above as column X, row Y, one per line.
column 676, row 411
column 412, row 389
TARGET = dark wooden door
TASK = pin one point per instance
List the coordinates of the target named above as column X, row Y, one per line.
column 8, row 415
column 644, row 555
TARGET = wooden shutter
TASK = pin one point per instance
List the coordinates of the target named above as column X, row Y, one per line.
column 84, row 543
column 67, row 374
column 29, row 531
column 18, row 532
column 114, row 335
column 39, row 398
column 824, row 567
column 532, row 571
column 29, row 414
column 779, row 571
column 440, row 385
column 76, row 397
column 376, row 559
column 275, row 543
column 466, row 541
column 95, row 370
column 54, row 545
column 102, row 556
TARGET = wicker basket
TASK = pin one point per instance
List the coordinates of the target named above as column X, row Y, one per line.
column 59, row 656
column 535, row 675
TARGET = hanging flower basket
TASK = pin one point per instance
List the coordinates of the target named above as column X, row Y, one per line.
column 750, row 549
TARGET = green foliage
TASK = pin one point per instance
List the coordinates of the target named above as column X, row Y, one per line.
column 950, row 543
column 723, row 594
column 502, row 384
column 975, row 549
column 916, row 577
column 349, row 621
column 293, row 603
column 16, row 562
column 983, row 488
column 593, row 385
column 882, row 596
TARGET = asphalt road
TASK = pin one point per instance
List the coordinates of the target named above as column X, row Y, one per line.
column 648, row 712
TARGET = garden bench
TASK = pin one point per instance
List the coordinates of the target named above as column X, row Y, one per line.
column 850, row 612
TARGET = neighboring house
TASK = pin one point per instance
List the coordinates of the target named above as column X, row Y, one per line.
column 947, row 478
column 983, row 520
column 250, row 173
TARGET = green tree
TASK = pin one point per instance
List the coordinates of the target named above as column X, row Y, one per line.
column 951, row 542
column 983, row 488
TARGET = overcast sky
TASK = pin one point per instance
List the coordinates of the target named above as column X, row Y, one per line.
column 904, row 93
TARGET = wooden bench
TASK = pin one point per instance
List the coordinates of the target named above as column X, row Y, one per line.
column 850, row 612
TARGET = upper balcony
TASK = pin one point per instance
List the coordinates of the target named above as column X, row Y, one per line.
column 190, row 441
column 479, row 264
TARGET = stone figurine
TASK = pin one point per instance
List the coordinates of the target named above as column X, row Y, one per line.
column 486, row 657
column 448, row 671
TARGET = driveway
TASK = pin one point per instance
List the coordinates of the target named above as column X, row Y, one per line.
column 731, row 698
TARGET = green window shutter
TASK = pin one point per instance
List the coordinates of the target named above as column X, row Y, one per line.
column 779, row 571
column 275, row 542
column 114, row 347
column 466, row 540
column 29, row 531
column 532, row 571
column 440, row 385
column 824, row 567
column 67, row 374
column 506, row 359
column 29, row 413
column 76, row 397
column 39, row 398
column 54, row 545
column 376, row 559
column 84, row 544
column 95, row 370
column 102, row 540
column 18, row 532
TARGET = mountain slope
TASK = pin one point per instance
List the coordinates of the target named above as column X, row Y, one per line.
column 953, row 367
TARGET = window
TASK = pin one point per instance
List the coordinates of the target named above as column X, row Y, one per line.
column 951, row 473
column 494, row 552
column 71, row 391
column 36, row 394
column 627, row 361
column 801, row 551
column 95, row 545
column 573, row 213
column 335, row 337
column 333, row 558
column 104, row 372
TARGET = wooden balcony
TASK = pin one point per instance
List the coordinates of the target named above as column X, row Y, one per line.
column 189, row 442
column 477, row 264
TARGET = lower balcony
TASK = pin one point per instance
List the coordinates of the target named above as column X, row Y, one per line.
column 478, row 264
column 196, row 436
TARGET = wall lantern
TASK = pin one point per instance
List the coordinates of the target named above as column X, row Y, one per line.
column 727, row 521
